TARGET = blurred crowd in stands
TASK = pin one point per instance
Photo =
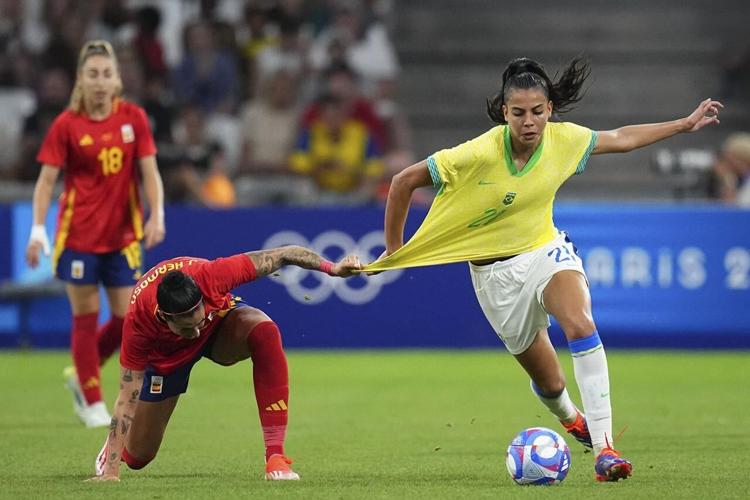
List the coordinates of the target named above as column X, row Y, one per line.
column 250, row 102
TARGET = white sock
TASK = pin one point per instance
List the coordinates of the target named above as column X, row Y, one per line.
column 590, row 367
column 561, row 406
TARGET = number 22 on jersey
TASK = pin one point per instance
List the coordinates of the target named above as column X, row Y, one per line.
column 110, row 160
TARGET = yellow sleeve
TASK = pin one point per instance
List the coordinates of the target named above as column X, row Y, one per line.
column 449, row 167
column 579, row 142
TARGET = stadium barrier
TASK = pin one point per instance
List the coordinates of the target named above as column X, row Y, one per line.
column 661, row 276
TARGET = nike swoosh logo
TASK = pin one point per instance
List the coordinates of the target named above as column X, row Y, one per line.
column 485, row 183
column 603, row 394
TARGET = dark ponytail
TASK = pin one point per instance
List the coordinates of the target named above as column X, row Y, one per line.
column 524, row 73
column 177, row 293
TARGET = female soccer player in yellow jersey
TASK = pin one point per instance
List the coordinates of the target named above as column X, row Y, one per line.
column 494, row 208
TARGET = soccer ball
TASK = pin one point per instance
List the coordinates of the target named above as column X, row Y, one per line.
column 538, row 456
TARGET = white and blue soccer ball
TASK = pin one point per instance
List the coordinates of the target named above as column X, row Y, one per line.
column 538, row 456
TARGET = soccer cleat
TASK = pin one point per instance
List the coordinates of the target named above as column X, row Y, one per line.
column 579, row 430
column 92, row 415
column 610, row 466
column 95, row 415
column 71, row 383
column 101, row 459
column 277, row 469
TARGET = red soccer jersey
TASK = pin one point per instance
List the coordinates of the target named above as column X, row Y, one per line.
column 147, row 340
column 100, row 208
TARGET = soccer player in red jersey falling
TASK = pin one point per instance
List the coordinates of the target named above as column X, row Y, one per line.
column 182, row 310
column 104, row 146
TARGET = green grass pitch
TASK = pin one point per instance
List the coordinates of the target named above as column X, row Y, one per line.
column 388, row 424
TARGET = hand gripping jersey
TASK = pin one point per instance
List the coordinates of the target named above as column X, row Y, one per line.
column 485, row 207
column 147, row 340
column 100, row 208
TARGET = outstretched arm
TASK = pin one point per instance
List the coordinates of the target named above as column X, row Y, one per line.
column 131, row 382
column 399, row 198
column 268, row 261
column 632, row 137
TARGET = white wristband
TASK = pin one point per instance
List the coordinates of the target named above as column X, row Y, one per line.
column 39, row 234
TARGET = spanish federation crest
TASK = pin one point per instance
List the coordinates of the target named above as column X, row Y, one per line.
column 128, row 135
column 509, row 197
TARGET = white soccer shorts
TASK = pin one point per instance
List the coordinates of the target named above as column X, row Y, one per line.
column 510, row 291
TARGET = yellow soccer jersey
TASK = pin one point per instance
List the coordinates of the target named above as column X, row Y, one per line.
column 486, row 208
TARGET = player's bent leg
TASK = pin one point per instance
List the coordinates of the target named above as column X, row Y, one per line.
column 548, row 384
column 248, row 332
column 567, row 298
column 147, row 431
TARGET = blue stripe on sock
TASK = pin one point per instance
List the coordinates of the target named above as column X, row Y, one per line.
column 536, row 389
column 585, row 344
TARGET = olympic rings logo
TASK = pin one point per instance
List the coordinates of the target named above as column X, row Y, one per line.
column 313, row 287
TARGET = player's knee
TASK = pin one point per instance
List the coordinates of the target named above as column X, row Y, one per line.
column 264, row 335
column 133, row 462
column 577, row 326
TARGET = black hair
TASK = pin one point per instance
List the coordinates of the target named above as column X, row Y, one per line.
column 149, row 18
column 177, row 293
column 339, row 68
column 524, row 73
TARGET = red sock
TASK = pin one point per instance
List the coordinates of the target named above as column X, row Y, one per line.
column 271, row 381
column 133, row 463
column 86, row 355
column 108, row 338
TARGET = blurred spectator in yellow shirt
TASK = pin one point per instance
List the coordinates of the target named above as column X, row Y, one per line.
column 340, row 154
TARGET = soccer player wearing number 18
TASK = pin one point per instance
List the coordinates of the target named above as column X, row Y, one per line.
column 104, row 146
column 494, row 209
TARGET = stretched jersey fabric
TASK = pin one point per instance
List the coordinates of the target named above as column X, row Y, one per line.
column 148, row 341
column 486, row 207
column 100, row 208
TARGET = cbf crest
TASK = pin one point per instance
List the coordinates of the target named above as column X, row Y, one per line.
column 509, row 197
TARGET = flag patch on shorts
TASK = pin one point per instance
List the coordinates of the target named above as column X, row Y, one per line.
column 76, row 269
column 156, row 384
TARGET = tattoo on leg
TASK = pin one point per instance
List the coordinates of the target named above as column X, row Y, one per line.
column 127, row 376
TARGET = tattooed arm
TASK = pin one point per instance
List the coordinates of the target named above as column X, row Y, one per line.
column 268, row 261
column 131, row 382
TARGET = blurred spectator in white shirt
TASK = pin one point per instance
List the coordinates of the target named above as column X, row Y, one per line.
column 368, row 49
column 732, row 170
column 269, row 128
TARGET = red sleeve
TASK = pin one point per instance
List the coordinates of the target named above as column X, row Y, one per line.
column 135, row 347
column 144, row 138
column 224, row 274
column 54, row 150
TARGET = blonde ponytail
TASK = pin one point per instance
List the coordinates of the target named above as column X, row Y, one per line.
column 92, row 48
